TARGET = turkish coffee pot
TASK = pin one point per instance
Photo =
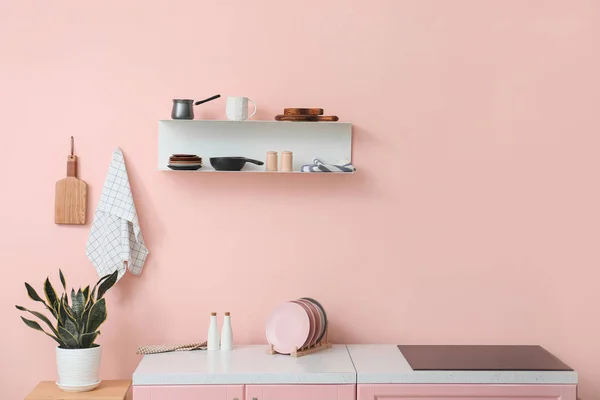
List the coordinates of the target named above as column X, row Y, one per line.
column 184, row 108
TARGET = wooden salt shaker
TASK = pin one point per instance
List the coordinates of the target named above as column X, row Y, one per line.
column 286, row 161
column 271, row 164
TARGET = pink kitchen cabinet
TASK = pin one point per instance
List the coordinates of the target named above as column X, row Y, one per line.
column 189, row 392
column 466, row 392
column 300, row 392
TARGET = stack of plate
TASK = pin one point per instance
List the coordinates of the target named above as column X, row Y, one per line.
column 296, row 324
column 185, row 162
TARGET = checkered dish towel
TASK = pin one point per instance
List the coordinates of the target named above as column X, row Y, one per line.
column 115, row 241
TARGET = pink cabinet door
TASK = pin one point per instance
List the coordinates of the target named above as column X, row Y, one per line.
column 300, row 392
column 466, row 392
column 189, row 392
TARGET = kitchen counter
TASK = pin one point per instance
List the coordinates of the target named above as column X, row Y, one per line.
column 385, row 364
column 245, row 365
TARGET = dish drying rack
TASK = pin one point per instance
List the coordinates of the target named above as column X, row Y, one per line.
column 322, row 344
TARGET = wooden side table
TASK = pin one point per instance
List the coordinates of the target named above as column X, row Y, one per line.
column 108, row 390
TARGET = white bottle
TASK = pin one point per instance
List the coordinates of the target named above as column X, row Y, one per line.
column 226, row 334
column 213, row 333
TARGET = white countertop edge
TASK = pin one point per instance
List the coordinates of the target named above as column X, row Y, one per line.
column 385, row 364
column 472, row 377
column 245, row 365
column 374, row 364
column 246, row 379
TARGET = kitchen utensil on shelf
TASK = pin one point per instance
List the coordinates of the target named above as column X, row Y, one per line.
column 271, row 161
column 194, row 167
column 286, row 161
column 184, row 108
column 307, row 118
column 303, row 111
column 288, row 327
column 183, row 155
column 185, row 162
column 232, row 163
column 237, row 108
column 70, row 199
column 323, row 314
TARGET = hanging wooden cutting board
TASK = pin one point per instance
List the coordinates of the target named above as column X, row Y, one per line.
column 71, row 196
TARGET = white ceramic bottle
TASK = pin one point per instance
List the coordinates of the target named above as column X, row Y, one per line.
column 213, row 333
column 226, row 334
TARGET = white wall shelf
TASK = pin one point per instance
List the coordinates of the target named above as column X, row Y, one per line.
column 247, row 171
column 329, row 141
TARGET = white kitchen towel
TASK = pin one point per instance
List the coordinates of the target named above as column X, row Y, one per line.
column 115, row 241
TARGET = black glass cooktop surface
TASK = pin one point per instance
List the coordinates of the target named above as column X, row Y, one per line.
column 481, row 358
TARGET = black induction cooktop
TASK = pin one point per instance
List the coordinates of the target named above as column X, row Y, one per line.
column 481, row 358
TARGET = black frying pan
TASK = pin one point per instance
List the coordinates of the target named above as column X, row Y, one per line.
column 231, row 163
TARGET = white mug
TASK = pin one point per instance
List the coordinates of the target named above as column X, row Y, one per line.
column 237, row 108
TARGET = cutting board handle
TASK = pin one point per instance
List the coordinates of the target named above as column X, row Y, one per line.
column 72, row 166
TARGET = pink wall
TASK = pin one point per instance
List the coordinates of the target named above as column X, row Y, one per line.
column 474, row 218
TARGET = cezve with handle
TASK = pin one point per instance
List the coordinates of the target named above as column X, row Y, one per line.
column 71, row 195
column 184, row 108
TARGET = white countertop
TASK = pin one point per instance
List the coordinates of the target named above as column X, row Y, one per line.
column 385, row 363
column 245, row 365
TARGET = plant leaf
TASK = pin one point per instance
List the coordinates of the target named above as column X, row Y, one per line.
column 37, row 327
column 62, row 313
column 107, row 284
column 50, row 294
column 68, row 338
column 40, row 316
column 86, row 312
column 62, row 280
column 78, row 304
column 86, row 294
column 67, row 319
column 93, row 294
column 69, row 326
column 35, row 297
column 87, row 339
column 96, row 316
column 33, row 294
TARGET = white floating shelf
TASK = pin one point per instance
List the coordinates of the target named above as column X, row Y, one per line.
column 329, row 141
column 245, row 171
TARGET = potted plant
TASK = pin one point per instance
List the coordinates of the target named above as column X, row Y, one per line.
column 75, row 330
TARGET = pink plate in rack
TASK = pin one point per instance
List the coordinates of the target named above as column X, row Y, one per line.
column 312, row 335
column 288, row 328
column 317, row 327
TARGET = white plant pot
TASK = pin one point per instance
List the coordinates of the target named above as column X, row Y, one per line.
column 78, row 369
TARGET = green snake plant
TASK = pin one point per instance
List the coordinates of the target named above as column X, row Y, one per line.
column 77, row 322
